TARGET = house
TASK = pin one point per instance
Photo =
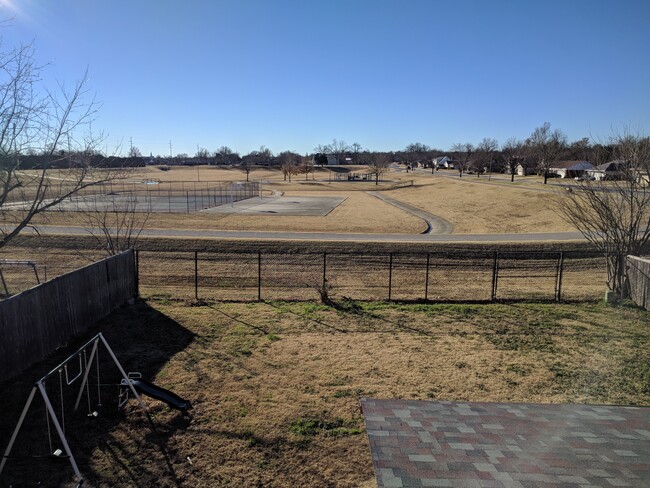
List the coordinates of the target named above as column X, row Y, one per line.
column 443, row 162
column 614, row 170
column 521, row 169
column 570, row 169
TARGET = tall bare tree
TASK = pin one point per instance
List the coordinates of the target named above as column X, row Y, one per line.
column 486, row 151
column 338, row 149
column 512, row 151
column 546, row 146
column 225, row 155
column 615, row 215
column 53, row 124
column 462, row 154
column 116, row 222
column 378, row 164
column 289, row 164
column 253, row 159
column 306, row 167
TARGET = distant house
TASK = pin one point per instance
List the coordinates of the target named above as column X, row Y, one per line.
column 443, row 162
column 522, row 169
column 614, row 170
column 331, row 159
column 570, row 169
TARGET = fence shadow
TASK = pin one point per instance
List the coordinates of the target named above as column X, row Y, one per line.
column 143, row 339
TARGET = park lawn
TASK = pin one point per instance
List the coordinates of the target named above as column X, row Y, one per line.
column 473, row 205
column 358, row 213
column 276, row 386
column 476, row 206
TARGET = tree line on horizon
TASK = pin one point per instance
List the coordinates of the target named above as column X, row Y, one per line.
column 536, row 153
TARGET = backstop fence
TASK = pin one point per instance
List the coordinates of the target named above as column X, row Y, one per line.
column 449, row 276
column 154, row 196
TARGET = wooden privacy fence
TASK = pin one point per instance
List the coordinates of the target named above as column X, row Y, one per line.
column 638, row 275
column 37, row 321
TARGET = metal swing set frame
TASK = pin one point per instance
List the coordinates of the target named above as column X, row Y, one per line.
column 85, row 366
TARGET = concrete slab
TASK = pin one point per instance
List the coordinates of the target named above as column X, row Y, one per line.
column 462, row 444
column 296, row 206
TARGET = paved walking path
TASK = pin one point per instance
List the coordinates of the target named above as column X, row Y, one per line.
column 472, row 445
column 435, row 224
column 329, row 236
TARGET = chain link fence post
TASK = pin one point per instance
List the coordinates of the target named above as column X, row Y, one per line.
column 259, row 276
column 196, row 275
column 390, row 276
column 324, row 289
column 426, row 279
column 558, row 282
column 495, row 275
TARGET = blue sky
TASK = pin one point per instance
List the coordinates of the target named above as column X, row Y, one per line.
column 295, row 74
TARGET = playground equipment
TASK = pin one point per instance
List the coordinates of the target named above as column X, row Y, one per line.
column 146, row 388
column 77, row 366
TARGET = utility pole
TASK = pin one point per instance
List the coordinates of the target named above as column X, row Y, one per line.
column 170, row 149
column 131, row 145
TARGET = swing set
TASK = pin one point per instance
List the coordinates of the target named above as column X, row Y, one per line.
column 76, row 366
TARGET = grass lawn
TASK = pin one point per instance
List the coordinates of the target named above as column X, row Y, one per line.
column 275, row 386
column 473, row 205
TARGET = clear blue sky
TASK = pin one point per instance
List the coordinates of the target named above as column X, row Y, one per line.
column 294, row 74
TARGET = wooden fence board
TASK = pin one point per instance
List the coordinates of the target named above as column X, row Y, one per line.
column 37, row 321
column 638, row 275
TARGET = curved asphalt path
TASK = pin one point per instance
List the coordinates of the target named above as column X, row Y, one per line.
column 326, row 236
column 435, row 225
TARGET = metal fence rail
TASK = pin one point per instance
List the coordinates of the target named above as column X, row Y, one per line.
column 480, row 276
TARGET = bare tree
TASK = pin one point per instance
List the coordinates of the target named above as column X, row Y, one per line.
column 512, row 152
column 378, row 164
column 248, row 162
column 116, row 223
column 253, row 159
column 338, row 149
column 417, row 147
column 462, row 154
column 615, row 215
column 54, row 125
column 356, row 148
column 134, row 152
column 289, row 163
column 486, row 152
column 202, row 155
column 307, row 167
column 546, row 145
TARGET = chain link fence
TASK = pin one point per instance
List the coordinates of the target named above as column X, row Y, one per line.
column 459, row 276
column 150, row 196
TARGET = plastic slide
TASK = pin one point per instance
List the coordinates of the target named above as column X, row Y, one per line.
column 170, row 398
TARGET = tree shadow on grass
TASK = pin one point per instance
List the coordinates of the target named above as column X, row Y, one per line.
column 116, row 447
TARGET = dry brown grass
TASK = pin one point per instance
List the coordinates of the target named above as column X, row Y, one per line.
column 472, row 205
column 276, row 385
column 485, row 208
column 358, row 213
